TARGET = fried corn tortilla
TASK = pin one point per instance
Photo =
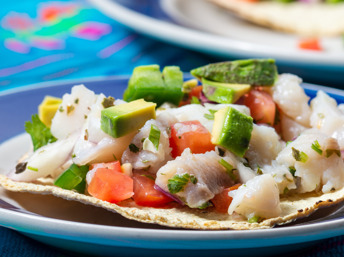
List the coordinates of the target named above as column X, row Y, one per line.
column 305, row 19
column 293, row 207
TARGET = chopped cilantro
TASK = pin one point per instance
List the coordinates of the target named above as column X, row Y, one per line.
column 61, row 109
column 21, row 167
column 178, row 182
column 254, row 219
column 148, row 176
column 133, row 148
column 205, row 205
column 32, row 168
column 76, row 101
column 316, row 147
column 229, row 169
column 259, row 171
column 193, row 179
column 299, row 156
column 211, row 114
column 321, row 115
column 329, row 152
column 108, row 102
column 154, row 136
column 39, row 132
column 292, row 170
column 195, row 100
column 286, row 190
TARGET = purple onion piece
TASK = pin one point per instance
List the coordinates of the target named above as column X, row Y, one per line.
column 168, row 194
column 203, row 99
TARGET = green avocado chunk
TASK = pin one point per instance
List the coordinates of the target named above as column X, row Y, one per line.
column 255, row 72
column 119, row 120
column 149, row 83
column 223, row 93
column 232, row 130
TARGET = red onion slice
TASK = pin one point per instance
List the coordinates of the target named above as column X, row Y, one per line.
column 168, row 194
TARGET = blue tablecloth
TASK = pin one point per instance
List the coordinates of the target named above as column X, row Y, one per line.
column 56, row 40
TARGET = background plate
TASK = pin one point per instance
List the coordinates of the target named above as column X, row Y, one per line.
column 199, row 25
column 91, row 230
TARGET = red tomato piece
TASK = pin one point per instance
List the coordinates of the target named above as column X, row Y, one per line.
column 145, row 194
column 111, row 185
column 262, row 107
column 190, row 134
column 195, row 92
column 222, row 200
column 310, row 44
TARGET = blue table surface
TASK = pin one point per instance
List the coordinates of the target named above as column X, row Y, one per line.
column 68, row 39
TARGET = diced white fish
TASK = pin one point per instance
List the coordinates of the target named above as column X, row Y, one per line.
column 282, row 176
column 291, row 98
column 201, row 113
column 265, row 144
column 72, row 113
column 147, row 157
column 327, row 117
column 211, row 176
column 245, row 173
column 314, row 155
column 93, row 144
column 49, row 160
column 259, row 197
column 290, row 129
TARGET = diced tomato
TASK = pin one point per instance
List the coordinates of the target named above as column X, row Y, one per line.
column 110, row 184
column 262, row 106
column 145, row 194
column 195, row 92
column 222, row 200
column 190, row 134
column 310, row 44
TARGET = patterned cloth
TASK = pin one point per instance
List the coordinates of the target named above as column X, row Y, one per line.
column 54, row 40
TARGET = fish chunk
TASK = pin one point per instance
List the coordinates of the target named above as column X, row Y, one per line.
column 210, row 176
column 72, row 113
column 291, row 98
column 259, row 197
column 316, row 158
column 147, row 156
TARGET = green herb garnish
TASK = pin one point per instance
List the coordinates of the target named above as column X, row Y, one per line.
column 39, row 132
column 254, row 219
column 211, row 114
column 316, row 147
column 32, row 168
column 178, row 182
column 108, row 102
column 195, row 100
column 229, row 169
column 154, row 136
column 299, row 156
column 292, row 170
column 133, row 148
column 329, row 152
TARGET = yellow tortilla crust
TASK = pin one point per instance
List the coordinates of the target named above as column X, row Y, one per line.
column 293, row 207
column 305, row 19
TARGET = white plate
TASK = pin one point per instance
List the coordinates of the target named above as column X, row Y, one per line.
column 91, row 230
column 201, row 25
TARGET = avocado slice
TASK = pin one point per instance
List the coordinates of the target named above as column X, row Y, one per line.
column 232, row 130
column 48, row 108
column 255, row 72
column 122, row 119
column 224, row 93
column 173, row 78
column 149, row 83
column 146, row 82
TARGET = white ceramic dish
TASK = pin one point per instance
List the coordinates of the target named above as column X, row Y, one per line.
column 90, row 230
